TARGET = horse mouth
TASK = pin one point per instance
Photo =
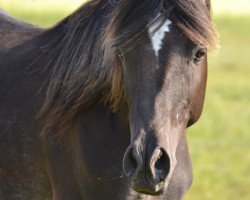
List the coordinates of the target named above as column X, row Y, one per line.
column 154, row 190
column 150, row 193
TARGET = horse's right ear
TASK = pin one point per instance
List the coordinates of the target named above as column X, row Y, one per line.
column 208, row 4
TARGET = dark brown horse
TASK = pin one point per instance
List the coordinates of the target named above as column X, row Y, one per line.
column 114, row 75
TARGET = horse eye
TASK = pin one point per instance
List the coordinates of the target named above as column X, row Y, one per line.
column 119, row 53
column 200, row 54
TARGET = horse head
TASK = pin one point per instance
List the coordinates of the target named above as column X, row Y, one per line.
column 164, row 69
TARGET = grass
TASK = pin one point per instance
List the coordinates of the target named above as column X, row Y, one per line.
column 42, row 12
column 231, row 7
column 220, row 142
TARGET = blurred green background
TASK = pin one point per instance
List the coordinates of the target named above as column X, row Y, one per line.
column 220, row 142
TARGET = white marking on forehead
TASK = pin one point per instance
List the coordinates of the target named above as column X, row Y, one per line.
column 157, row 36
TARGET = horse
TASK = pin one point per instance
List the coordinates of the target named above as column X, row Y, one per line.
column 97, row 106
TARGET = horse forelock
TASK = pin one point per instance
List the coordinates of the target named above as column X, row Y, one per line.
column 192, row 17
column 81, row 59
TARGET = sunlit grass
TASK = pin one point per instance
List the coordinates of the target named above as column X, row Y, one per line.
column 235, row 7
column 41, row 12
column 220, row 142
column 41, row 5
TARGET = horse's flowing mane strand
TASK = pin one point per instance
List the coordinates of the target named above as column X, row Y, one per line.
column 80, row 56
column 194, row 20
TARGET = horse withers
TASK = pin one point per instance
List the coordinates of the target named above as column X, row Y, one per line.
column 97, row 106
column 14, row 32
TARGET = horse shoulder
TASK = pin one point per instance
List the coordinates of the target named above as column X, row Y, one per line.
column 14, row 32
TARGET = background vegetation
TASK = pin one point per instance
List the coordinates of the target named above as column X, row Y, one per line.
column 220, row 142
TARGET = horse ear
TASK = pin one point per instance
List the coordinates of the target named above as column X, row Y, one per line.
column 208, row 4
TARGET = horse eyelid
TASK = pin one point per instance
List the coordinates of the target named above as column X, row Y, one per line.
column 200, row 53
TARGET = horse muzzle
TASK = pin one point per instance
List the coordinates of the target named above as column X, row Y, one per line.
column 148, row 170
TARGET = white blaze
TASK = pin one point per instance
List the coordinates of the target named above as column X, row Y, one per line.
column 157, row 36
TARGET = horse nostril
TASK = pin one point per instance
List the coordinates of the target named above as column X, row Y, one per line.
column 130, row 162
column 162, row 165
